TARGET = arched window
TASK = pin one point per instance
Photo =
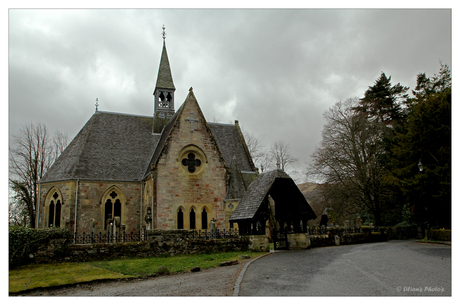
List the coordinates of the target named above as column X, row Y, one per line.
column 112, row 202
column 54, row 208
column 117, row 208
column 192, row 219
column 51, row 214
column 57, row 219
column 180, row 219
column 108, row 212
column 112, row 205
column 204, row 219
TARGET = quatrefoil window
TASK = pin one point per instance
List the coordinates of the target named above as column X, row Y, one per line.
column 113, row 194
column 191, row 162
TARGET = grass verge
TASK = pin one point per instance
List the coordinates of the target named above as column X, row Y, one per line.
column 51, row 275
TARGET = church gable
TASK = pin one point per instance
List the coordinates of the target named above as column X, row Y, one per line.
column 190, row 172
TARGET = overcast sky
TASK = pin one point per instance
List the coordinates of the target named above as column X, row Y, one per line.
column 276, row 71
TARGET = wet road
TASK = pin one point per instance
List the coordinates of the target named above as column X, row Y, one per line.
column 394, row 268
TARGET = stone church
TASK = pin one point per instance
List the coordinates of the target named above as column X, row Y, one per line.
column 172, row 170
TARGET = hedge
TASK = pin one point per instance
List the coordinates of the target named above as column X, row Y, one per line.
column 441, row 235
column 402, row 232
column 24, row 241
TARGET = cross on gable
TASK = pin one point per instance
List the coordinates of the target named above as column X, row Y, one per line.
column 191, row 120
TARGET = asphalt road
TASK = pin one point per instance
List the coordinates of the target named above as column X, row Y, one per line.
column 394, row 268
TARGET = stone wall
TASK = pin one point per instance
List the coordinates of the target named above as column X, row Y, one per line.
column 258, row 243
column 91, row 198
column 332, row 239
column 158, row 243
column 298, row 241
column 177, row 187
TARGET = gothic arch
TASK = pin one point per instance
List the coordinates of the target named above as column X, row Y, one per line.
column 204, row 218
column 111, row 203
column 192, row 217
column 53, row 207
column 180, row 217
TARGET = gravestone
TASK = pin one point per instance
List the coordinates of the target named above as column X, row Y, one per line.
column 324, row 220
column 358, row 223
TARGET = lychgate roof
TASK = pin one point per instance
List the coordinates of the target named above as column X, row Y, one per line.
column 282, row 188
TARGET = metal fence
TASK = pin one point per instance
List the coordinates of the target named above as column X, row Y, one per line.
column 90, row 238
column 341, row 230
column 214, row 234
column 85, row 238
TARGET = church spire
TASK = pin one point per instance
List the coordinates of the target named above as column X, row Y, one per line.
column 164, row 79
column 164, row 92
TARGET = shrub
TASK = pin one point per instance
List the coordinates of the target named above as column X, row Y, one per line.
column 24, row 241
column 402, row 232
column 443, row 235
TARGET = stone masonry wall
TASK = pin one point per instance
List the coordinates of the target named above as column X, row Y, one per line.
column 176, row 187
column 157, row 244
column 90, row 205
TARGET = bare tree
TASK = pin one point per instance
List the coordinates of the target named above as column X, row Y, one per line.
column 254, row 145
column 60, row 141
column 281, row 155
column 17, row 210
column 349, row 158
column 31, row 154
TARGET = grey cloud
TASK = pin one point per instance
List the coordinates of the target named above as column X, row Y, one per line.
column 276, row 71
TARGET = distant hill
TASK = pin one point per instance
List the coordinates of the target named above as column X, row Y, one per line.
column 312, row 192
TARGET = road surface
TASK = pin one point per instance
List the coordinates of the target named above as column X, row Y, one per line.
column 394, row 268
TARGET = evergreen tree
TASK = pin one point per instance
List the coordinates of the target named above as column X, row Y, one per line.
column 425, row 140
column 382, row 101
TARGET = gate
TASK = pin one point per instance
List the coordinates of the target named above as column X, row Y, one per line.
column 280, row 240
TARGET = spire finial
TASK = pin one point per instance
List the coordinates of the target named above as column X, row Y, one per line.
column 163, row 33
column 97, row 103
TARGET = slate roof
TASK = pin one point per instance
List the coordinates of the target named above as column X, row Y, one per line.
column 120, row 147
column 164, row 79
column 257, row 192
column 229, row 142
column 111, row 146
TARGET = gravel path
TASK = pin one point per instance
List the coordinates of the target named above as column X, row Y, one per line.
column 217, row 281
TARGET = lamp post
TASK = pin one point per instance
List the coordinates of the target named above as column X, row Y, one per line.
column 427, row 224
column 420, row 165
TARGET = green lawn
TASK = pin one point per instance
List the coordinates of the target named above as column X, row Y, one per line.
column 49, row 275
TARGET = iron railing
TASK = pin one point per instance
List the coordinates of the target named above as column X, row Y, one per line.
column 341, row 230
column 91, row 238
column 214, row 234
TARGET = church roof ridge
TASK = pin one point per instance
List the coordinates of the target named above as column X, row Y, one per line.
column 121, row 113
column 226, row 124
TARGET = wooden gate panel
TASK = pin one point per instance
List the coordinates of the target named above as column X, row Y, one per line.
column 280, row 240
